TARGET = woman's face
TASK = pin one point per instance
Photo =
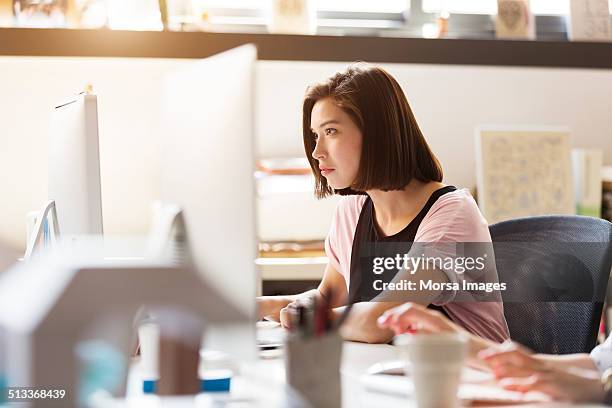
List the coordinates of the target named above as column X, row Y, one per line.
column 338, row 143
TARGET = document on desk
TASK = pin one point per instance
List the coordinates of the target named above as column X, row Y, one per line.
column 472, row 390
column 270, row 335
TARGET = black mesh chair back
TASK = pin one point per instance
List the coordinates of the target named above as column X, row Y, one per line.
column 556, row 270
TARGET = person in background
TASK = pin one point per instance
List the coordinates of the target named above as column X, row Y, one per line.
column 363, row 142
column 575, row 377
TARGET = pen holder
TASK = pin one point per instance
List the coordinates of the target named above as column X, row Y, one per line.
column 312, row 367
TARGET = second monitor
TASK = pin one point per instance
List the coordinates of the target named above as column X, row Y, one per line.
column 207, row 167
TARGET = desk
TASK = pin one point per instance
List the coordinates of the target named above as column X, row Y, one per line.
column 266, row 377
column 357, row 358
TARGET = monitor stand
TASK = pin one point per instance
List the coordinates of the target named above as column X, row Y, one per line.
column 34, row 243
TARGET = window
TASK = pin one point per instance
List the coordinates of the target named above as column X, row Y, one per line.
column 463, row 7
column 359, row 6
column 344, row 14
column 469, row 18
column 539, row 7
column 361, row 14
column 363, row 6
column 231, row 4
column 473, row 17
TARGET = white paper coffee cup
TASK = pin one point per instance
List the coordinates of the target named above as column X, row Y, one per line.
column 436, row 361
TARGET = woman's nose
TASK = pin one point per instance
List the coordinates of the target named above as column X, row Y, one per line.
column 318, row 151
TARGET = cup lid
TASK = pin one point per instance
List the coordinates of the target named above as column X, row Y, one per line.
column 429, row 338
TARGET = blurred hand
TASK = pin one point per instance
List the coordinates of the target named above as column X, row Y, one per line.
column 414, row 318
column 513, row 360
column 285, row 315
column 288, row 312
column 573, row 384
column 520, row 370
column 269, row 307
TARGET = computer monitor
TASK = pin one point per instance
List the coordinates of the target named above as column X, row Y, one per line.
column 74, row 166
column 207, row 165
column 74, row 191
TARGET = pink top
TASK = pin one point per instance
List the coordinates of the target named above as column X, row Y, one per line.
column 454, row 217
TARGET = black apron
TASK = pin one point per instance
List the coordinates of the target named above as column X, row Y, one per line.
column 366, row 236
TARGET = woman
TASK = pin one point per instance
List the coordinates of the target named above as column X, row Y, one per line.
column 574, row 377
column 363, row 142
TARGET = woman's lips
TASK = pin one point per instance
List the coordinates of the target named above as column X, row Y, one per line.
column 325, row 171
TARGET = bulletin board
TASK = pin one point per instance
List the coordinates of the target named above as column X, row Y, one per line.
column 523, row 172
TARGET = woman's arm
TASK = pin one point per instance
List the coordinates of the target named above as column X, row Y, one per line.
column 414, row 318
column 569, row 378
column 583, row 361
column 572, row 384
column 515, row 360
column 361, row 324
column 332, row 288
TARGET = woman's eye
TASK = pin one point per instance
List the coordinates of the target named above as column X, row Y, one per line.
column 315, row 136
column 330, row 131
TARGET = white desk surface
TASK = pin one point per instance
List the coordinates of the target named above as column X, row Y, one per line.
column 266, row 377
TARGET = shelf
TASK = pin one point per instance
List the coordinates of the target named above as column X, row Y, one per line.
column 110, row 43
column 288, row 269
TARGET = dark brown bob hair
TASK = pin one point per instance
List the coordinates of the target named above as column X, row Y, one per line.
column 394, row 150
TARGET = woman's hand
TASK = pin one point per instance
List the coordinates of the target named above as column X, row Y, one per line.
column 288, row 313
column 269, row 307
column 413, row 318
column 520, row 370
column 513, row 360
column 571, row 384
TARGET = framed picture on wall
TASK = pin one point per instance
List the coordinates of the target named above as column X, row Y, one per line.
column 523, row 171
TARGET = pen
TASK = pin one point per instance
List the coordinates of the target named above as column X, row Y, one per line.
column 302, row 323
column 321, row 317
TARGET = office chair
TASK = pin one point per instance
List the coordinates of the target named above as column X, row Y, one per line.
column 556, row 269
